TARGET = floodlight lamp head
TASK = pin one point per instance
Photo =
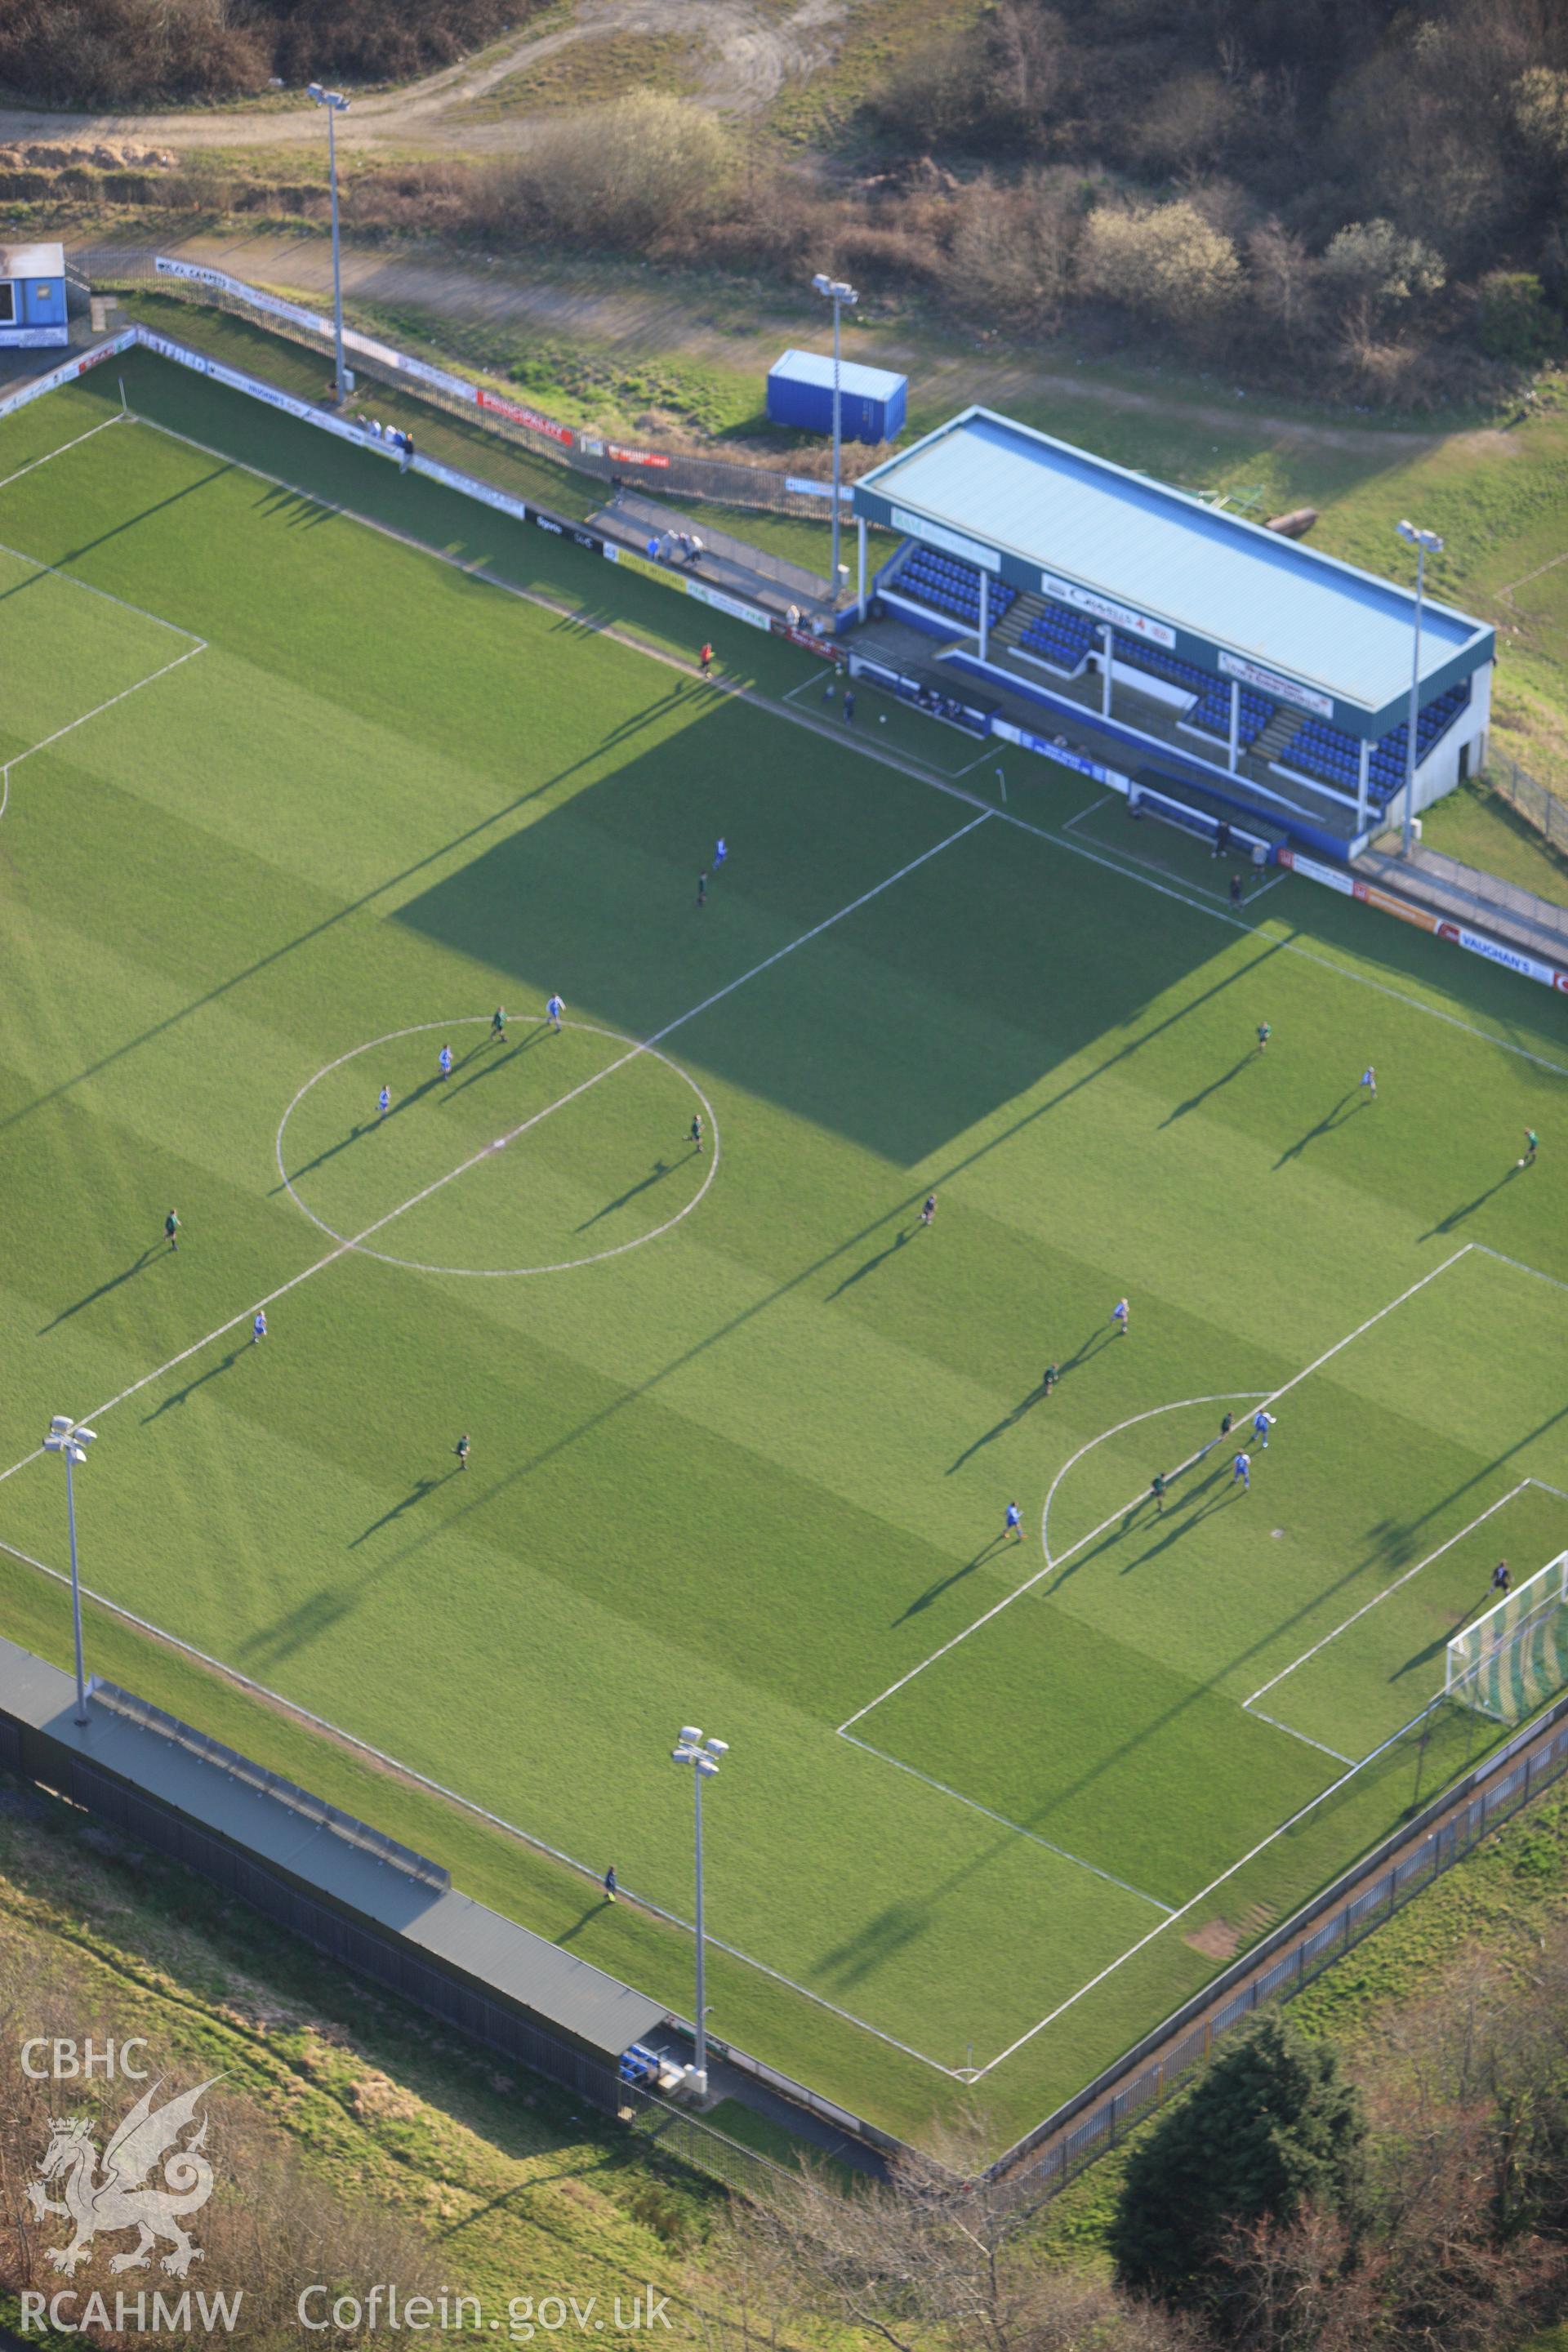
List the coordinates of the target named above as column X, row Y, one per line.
column 75, row 1452
column 706, row 1766
column 59, row 1421
column 54, row 1444
column 691, row 1735
column 718, row 1747
column 83, row 1437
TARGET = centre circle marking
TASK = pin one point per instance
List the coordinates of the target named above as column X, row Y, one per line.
column 496, row 1272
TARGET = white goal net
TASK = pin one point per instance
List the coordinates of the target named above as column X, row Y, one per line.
column 1516, row 1654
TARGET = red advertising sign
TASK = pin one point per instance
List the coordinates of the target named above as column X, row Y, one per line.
column 528, row 417
column 635, row 456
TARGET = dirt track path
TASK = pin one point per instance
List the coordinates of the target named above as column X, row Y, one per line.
column 748, row 53
column 643, row 318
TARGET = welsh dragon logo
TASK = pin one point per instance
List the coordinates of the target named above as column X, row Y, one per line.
column 116, row 2197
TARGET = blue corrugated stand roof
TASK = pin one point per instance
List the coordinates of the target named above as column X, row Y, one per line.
column 1213, row 575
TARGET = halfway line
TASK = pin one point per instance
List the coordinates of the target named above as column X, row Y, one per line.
column 488, row 1149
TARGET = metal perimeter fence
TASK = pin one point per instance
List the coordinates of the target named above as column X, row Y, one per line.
column 661, row 473
column 1540, row 808
column 1052, row 2154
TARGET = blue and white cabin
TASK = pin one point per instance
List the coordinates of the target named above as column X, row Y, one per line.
column 1180, row 635
column 871, row 401
column 31, row 297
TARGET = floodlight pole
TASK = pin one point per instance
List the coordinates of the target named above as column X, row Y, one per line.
column 836, row 291
column 335, row 103
column 699, row 2078
column 1424, row 542
column 76, row 1597
column 703, row 1756
column 70, row 1438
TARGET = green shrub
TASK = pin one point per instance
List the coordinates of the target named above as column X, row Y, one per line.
column 1513, row 319
column 1271, row 2127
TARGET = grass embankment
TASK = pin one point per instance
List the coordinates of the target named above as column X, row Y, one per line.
column 478, row 450
column 1495, row 1905
column 512, row 2186
column 361, row 874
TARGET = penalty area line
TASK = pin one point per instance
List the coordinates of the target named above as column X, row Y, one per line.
column 1202, row 1895
column 96, row 712
column 1356, row 1614
column 1119, row 1517
column 1063, row 1852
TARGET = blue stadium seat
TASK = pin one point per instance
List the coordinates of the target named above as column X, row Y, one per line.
column 946, row 584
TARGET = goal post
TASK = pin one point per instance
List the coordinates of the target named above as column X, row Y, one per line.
column 1516, row 1654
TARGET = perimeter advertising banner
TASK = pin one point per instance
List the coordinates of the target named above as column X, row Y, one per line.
column 1475, row 942
column 68, row 369
column 531, row 417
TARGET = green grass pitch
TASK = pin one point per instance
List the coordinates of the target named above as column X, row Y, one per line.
column 294, row 796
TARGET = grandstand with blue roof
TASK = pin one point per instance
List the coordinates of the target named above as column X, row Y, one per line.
column 1169, row 636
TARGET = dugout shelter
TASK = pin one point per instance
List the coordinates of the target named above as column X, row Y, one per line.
column 1172, row 635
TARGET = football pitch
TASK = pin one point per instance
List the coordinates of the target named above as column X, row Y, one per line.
column 306, row 770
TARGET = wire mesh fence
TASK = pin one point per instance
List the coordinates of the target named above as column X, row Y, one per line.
column 704, row 2147
column 655, row 472
column 1107, row 2119
column 1535, row 801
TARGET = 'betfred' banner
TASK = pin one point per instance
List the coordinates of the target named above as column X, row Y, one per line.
column 635, row 456
column 528, row 417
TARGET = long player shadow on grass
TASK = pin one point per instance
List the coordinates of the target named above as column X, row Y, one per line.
column 180, row 1396
column 1456, row 1216
column 934, row 1592
column 360, row 1130
column 1340, row 1116
column 520, row 906
column 1404, row 1535
column 90, row 1298
column 820, row 1265
column 1195, row 1102
column 1160, row 1724
column 297, row 508
column 656, row 1175
column 302, row 938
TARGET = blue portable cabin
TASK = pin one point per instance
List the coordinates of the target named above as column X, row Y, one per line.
column 31, row 297
column 872, row 401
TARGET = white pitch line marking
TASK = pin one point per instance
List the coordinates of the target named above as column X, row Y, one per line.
column 1028, row 1586
column 1083, row 814
column 1061, row 1851
column 177, row 628
column 1116, row 1517
column 865, row 744
column 377, row 1225
column 467, row 1804
column 1254, row 1397
column 1356, row 1614
column 1292, row 1732
column 500, row 1272
column 97, row 712
column 50, row 454
column 1201, row 1896
column 1518, row 1265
